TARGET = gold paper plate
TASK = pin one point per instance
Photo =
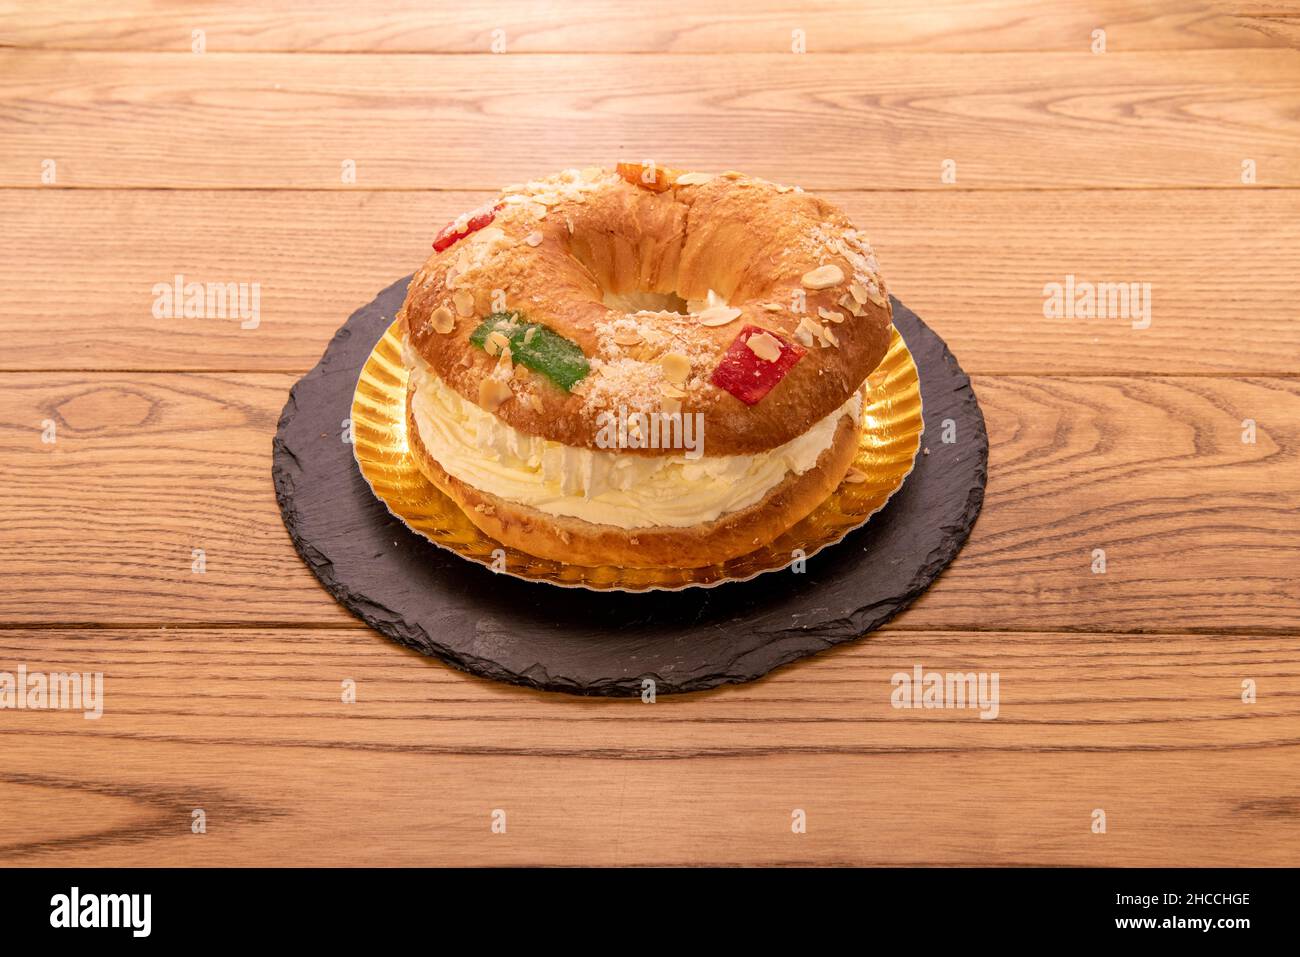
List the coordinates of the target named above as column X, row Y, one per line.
column 890, row 439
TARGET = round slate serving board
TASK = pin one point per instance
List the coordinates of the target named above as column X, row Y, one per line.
column 607, row 643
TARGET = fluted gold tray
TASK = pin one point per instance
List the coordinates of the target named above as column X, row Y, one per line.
column 890, row 439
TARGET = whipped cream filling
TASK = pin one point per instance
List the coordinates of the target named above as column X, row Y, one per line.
column 607, row 488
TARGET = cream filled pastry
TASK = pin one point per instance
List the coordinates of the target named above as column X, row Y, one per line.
column 642, row 367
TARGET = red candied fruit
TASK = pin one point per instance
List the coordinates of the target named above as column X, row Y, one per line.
column 749, row 377
column 451, row 234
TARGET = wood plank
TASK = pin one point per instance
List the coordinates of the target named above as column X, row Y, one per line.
column 972, row 264
column 1198, row 527
column 589, row 26
column 249, row 726
column 1283, row 31
column 1011, row 120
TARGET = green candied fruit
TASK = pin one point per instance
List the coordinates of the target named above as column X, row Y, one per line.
column 536, row 347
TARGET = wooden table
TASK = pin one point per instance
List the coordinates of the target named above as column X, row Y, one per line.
column 127, row 158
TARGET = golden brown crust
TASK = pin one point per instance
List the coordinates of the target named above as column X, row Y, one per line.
column 556, row 246
column 577, row 542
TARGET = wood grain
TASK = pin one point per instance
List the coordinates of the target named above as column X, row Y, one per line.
column 972, row 264
column 250, row 726
column 1119, row 691
column 589, row 26
column 880, row 121
column 1283, row 31
column 146, row 468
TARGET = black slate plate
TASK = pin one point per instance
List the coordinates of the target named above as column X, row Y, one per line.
column 606, row 643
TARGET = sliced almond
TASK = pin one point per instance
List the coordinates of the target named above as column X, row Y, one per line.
column 810, row 328
column 858, row 291
column 772, row 306
column 803, row 337
column 851, row 304
column 528, row 335
column 670, row 391
column 830, row 315
column 677, row 368
column 823, row 277
column 464, row 300
column 875, row 296
column 764, row 345
column 442, row 320
column 505, row 362
column 855, row 477
column 496, row 343
column 627, row 337
column 718, row 315
column 492, row 392
column 693, row 179
column 828, row 337
column 534, row 238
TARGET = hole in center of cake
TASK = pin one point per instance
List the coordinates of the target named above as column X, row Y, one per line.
column 642, row 301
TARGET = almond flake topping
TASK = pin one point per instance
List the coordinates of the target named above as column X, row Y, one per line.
column 809, row 330
column 823, row 277
column 765, row 346
column 492, row 392
column 718, row 315
column 830, row 315
column 772, row 306
column 496, row 343
column 670, row 391
column 534, row 238
column 528, row 335
column 628, row 337
column 855, row 477
column 677, row 368
column 442, row 320
column 464, row 300
column 858, row 291
column 693, row 179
